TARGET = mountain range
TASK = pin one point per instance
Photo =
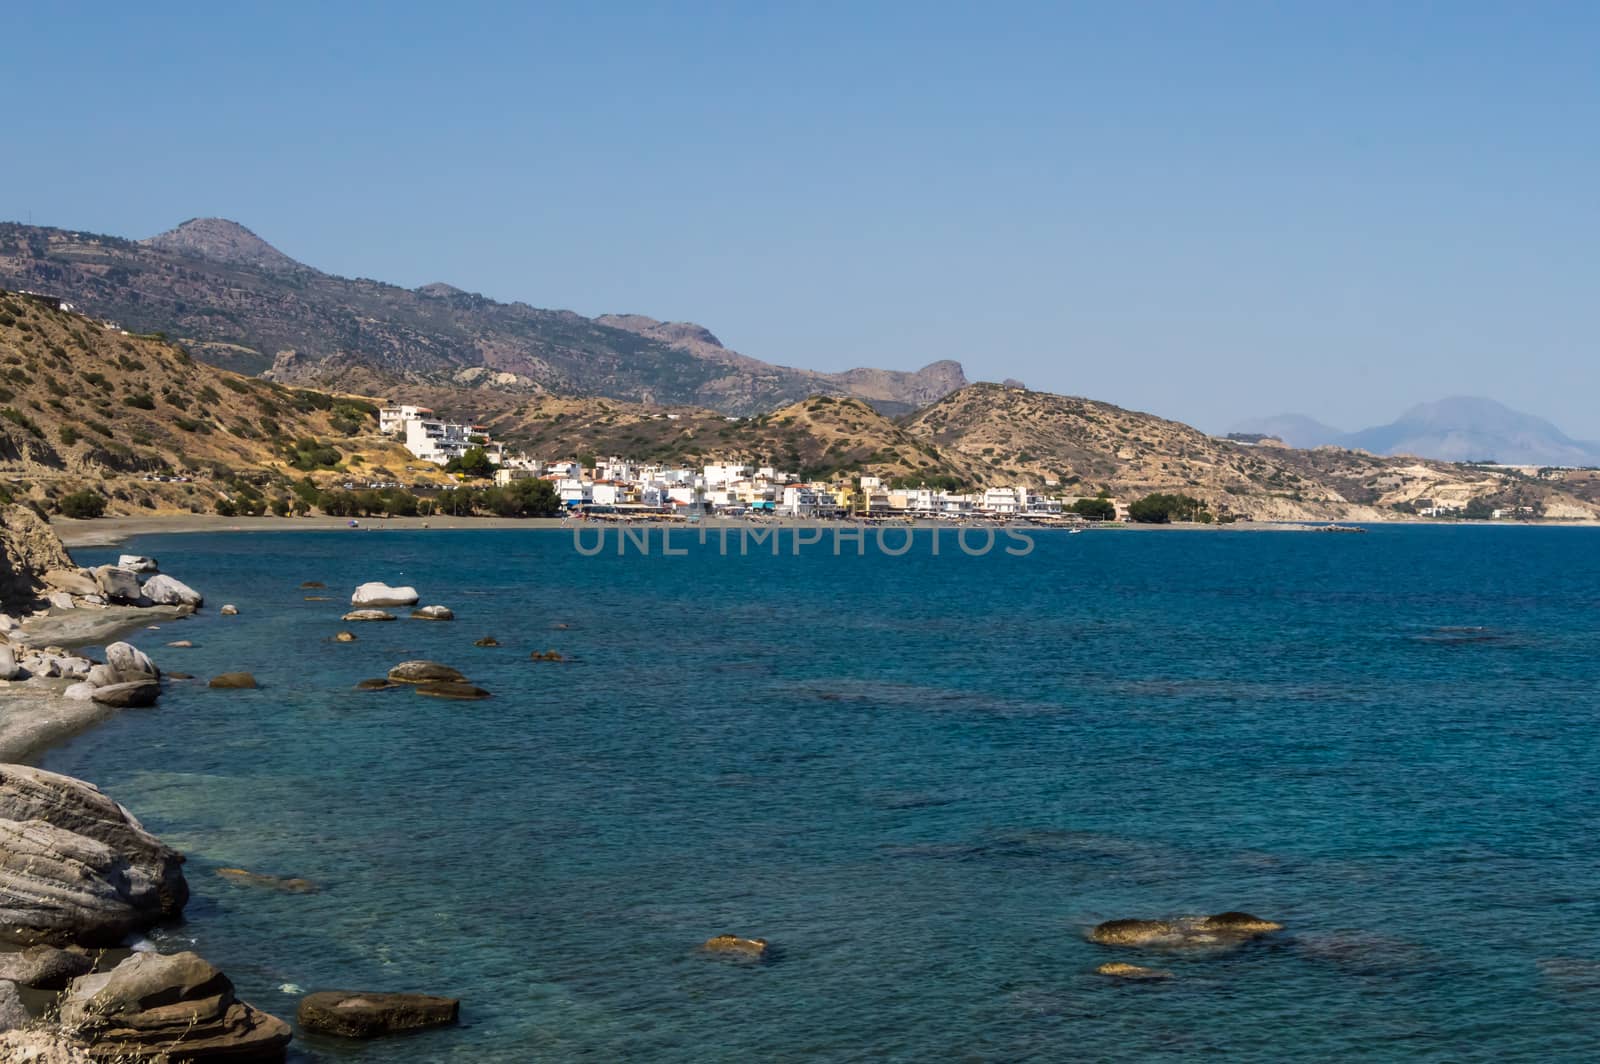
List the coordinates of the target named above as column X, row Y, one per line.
column 237, row 302
column 1459, row 429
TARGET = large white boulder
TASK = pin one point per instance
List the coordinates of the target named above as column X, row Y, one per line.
column 127, row 658
column 116, row 584
column 165, row 591
column 137, row 563
column 379, row 594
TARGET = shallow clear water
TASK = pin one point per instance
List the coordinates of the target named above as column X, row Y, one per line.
column 923, row 778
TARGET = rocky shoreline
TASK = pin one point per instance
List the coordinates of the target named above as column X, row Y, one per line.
column 80, row 877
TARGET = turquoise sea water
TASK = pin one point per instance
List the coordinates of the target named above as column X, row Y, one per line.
column 922, row 778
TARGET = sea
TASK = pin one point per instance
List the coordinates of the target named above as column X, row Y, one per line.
column 922, row 775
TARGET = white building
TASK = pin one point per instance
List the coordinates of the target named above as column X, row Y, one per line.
column 437, row 441
column 392, row 419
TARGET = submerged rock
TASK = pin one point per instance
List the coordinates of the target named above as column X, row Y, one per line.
column 181, row 644
column 754, row 948
column 44, row 967
column 424, row 672
column 355, row 1014
column 378, row 684
column 1184, row 932
column 233, row 680
column 1118, row 970
column 464, row 692
column 312, row 585
column 433, row 613
column 76, row 867
column 287, row 884
column 486, row 641
column 165, row 591
column 229, row 610
column 368, row 615
column 546, row 655
column 177, row 1005
column 380, row 594
column 344, row 637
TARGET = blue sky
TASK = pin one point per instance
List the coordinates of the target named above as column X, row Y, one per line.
column 1208, row 211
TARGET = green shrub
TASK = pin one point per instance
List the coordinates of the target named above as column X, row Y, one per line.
column 83, row 505
column 69, row 435
column 141, row 401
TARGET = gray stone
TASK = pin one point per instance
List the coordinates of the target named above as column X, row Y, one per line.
column 126, row 658
column 368, row 615
column 78, row 868
column 118, row 585
column 135, row 695
column 80, row 692
column 9, row 669
column 12, row 1012
column 424, row 672
column 44, row 967
column 60, row 600
column 137, row 563
column 72, row 581
column 229, row 610
column 167, row 591
column 433, row 613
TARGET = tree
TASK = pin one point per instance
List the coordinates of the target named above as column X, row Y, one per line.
column 1099, row 508
column 83, row 504
column 474, row 463
column 1159, row 509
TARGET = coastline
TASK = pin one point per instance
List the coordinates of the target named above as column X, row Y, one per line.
column 113, row 531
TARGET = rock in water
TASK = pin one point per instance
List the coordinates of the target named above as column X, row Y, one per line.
column 137, row 563
column 126, row 658
column 233, row 680
column 173, row 1004
column 368, row 615
column 377, row 685
column 76, row 867
column 1118, row 970
column 463, row 692
column 353, row 1014
column 229, row 610
column 44, row 967
column 433, row 613
column 289, row 885
column 139, row 694
column 116, row 584
column 344, row 637
column 312, row 585
column 754, row 948
column 378, row 594
column 165, row 591
column 424, row 672
column 486, row 641
column 1184, row 932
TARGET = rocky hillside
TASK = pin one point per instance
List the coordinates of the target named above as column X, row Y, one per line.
column 1011, row 434
column 239, row 303
column 818, row 437
column 143, row 422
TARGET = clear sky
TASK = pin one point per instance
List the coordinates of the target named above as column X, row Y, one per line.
column 1205, row 210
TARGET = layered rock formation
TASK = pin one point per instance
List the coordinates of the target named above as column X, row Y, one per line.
column 76, row 867
column 177, row 1007
column 28, row 549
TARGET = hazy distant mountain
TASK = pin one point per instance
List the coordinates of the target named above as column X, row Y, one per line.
column 1459, row 429
column 1296, row 430
column 236, row 301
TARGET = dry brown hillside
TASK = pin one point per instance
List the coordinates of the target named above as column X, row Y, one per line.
column 819, row 437
column 83, row 405
column 1011, row 434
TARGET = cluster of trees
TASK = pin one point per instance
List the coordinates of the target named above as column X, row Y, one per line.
column 474, row 463
column 1099, row 508
column 521, row 498
column 1161, row 508
column 83, row 504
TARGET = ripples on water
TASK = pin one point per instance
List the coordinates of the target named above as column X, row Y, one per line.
column 922, row 778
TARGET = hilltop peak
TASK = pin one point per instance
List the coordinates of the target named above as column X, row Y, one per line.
column 221, row 240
